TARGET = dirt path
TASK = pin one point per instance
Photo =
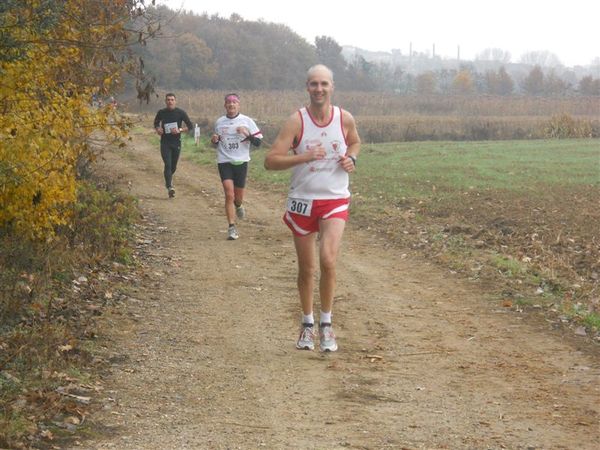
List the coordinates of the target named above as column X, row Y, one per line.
column 204, row 350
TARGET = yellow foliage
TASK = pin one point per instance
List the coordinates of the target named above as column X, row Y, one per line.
column 46, row 119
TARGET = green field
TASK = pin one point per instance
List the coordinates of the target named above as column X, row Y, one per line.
column 413, row 169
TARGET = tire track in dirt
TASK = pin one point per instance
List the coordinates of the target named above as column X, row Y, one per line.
column 204, row 351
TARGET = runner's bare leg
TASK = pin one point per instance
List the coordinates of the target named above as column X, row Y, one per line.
column 307, row 265
column 332, row 231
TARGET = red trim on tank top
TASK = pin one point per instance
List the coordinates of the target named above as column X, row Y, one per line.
column 342, row 125
column 328, row 123
column 299, row 139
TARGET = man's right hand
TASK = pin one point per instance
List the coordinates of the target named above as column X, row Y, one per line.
column 159, row 131
column 316, row 153
column 215, row 138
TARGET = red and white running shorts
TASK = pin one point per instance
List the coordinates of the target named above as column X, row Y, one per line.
column 303, row 216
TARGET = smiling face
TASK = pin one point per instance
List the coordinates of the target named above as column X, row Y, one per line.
column 319, row 85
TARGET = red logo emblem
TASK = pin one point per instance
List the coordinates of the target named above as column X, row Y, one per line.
column 336, row 146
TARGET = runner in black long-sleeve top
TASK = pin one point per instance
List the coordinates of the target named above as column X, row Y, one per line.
column 169, row 123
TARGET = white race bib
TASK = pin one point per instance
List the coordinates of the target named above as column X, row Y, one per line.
column 299, row 206
column 231, row 142
column 170, row 126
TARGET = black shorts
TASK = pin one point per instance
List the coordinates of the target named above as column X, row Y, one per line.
column 237, row 173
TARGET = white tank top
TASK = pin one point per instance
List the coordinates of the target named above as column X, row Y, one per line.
column 322, row 179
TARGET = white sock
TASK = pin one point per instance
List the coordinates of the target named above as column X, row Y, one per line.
column 325, row 317
column 308, row 318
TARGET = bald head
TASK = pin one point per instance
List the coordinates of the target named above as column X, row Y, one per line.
column 319, row 69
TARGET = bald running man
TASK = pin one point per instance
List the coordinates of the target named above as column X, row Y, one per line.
column 320, row 143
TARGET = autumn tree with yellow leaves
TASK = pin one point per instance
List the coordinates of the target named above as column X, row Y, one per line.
column 55, row 55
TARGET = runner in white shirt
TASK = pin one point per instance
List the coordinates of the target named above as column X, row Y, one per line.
column 325, row 144
column 233, row 135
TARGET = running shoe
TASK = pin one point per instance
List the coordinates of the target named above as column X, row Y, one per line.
column 171, row 192
column 327, row 341
column 240, row 212
column 306, row 340
column 232, row 233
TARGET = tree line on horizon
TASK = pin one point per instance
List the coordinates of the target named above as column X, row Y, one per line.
column 198, row 51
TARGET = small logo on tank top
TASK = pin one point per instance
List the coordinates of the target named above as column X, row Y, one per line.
column 336, row 146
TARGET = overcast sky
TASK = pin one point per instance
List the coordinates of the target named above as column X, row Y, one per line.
column 569, row 29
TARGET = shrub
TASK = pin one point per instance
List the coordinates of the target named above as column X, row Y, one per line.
column 565, row 126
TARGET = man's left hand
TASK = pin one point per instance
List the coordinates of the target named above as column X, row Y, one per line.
column 347, row 164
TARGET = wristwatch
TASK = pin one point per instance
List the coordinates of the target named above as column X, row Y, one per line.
column 353, row 158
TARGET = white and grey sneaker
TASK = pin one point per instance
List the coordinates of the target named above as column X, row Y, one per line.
column 232, row 233
column 240, row 212
column 327, row 341
column 306, row 340
column 171, row 192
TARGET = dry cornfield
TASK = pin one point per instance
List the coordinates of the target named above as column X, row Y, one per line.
column 384, row 117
